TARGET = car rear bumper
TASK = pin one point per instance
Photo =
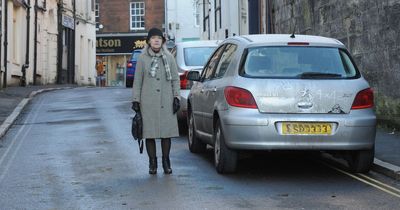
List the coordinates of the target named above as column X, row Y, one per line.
column 250, row 130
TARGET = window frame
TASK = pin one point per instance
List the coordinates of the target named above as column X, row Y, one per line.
column 141, row 16
column 229, row 58
column 97, row 14
column 218, row 52
column 217, row 14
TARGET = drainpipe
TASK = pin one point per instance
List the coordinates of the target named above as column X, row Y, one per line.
column 166, row 25
column 59, row 41
column 5, row 43
column 71, row 48
column 35, row 43
column 26, row 65
column 1, row 35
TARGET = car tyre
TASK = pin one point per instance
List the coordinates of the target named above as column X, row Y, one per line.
column 225, row 159
column 194, row 143
column 360, row 161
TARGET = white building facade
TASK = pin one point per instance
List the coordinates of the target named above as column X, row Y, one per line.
column 224, row 18
column 183, row 20
column 34, row 40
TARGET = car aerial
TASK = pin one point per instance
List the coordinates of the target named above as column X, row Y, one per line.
column 281, row 92
column 130, row 67
column 191, row 55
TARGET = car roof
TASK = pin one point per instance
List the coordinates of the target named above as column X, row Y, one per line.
column 284, row 39
column 199, row 43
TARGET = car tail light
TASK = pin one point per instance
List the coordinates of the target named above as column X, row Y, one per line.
column 130, row 65
column 239, row 97
column 364, row 99
column 185, row 83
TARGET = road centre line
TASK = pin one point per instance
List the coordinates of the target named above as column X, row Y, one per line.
column 7, row 166
column 370, row 181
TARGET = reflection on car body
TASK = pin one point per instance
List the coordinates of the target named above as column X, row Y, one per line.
column 274, row 92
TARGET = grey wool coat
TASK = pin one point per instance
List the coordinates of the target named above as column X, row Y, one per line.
column 156, row 95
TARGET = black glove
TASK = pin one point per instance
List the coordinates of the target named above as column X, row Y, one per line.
column 136, row 106
column 176, row 105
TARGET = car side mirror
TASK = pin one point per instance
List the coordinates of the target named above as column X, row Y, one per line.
column 193, row 76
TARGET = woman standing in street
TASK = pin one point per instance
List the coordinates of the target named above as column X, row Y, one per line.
column 156, row 96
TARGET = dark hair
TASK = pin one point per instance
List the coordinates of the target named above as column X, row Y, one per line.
column 155, row 32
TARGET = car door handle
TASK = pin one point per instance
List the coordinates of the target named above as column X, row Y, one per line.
column 202, row 91
column 214, row 89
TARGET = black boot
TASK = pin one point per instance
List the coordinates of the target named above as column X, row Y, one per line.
column 166, row 165
column 153, row 165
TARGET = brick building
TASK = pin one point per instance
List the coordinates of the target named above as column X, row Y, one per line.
column 121, row 27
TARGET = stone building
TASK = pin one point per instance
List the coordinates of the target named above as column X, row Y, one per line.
column 121, row 27
column 38, row 42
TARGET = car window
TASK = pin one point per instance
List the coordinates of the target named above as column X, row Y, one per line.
column 297, row 62
column 135, row 55
column 197, row 56
column 225, row 60
column 209, row 69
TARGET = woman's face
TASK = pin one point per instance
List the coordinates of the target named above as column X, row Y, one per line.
column 155, row 42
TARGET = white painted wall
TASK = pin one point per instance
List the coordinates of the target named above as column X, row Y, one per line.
column 181, row 17
column 85, row 44
column 234, row 19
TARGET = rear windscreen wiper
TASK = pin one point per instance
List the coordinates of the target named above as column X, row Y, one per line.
column 307, row 75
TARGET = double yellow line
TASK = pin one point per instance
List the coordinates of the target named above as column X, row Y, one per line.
column 370, row 181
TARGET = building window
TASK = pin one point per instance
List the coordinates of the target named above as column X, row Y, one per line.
column 97, row 14
column 217, row 7
column 206, row 15
column 137, row 15
column 197, row 14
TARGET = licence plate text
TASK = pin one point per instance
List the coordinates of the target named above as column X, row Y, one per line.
column 293, row 128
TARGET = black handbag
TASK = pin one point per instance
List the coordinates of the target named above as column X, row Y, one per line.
column 137, row 130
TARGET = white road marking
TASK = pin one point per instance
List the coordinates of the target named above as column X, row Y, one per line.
column 19, row 143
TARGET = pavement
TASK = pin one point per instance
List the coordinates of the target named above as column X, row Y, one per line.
column 14, row 99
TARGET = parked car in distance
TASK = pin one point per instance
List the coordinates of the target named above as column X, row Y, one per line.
column 281, row 92
column 191, row 55
column 131, row 67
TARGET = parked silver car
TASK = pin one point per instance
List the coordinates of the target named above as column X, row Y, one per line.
column 189, row 56
column 281, row 92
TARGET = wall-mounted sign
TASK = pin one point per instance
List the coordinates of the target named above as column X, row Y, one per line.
column 119, row 44
column 68, row 22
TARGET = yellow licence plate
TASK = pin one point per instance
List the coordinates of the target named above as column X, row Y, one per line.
column 293, row 128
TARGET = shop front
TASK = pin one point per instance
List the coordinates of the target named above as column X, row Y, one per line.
column 112, row 54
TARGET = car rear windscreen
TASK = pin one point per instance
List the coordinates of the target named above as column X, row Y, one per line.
column 197, row 56
column 298, row 62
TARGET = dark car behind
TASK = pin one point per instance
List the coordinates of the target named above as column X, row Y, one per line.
column 131, row 67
